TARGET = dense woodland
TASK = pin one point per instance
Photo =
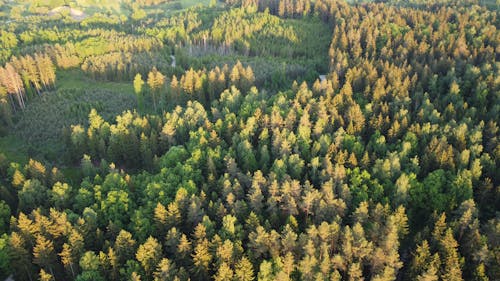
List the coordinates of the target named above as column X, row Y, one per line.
column 165, row 141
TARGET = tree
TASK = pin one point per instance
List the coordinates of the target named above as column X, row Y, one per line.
column 89, row 261
column 124, row 246
column 235, row 75
column 72, row 251
column 11, row 81
column 60, row 195
column 156, row 81
column 5, row 255
column 421, row 263
column 5, row 213
column 244, row 270
column 44, row 276
column 184, row 246
column 165, row 271
column 175, row 89
column 67, row 259
column 149, row 255
column 138, row 82
column 201, row 258
column 451, row 259
column 91, row 266
column 224, row 273
column 20, row 258
column 29, row 72
column 115, row 206
column 46, row 70
column 44, row 254
column 160, row 217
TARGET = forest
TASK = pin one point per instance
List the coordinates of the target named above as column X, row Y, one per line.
column 163, row 140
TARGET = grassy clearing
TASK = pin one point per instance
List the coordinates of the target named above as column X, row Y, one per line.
column 92, row 7
column 189, row 3
column 171, row 8
column 76, row 79
column 38, row 131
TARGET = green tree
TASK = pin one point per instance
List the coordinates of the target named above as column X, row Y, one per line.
column 5, row 213
column 60, row 195
column 5, row 257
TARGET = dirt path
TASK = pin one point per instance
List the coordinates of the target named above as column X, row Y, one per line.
column 74, row 13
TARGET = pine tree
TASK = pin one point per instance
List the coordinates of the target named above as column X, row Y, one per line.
column 156, row 81
column 20, row 257
column 46, row 70
column 175, row 89
column 44, row 276
column 30, row 70
column 235, row 76
column 212, row 85
column 165, row 271
column 67, row 259
column 224, row 273
column 201, row 259
column 160, row 217
column 451, row 260
column 43, row 253
column 124, row 246
column 149, row 254
column 184, row 247
column 12, row 82
column 244, row 270
column 5, row 108
column 138, row 83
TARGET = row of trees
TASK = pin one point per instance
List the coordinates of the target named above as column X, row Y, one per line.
column 202, row 85
column 122, row 66
column 206, row 86
column 26, row 75
column 289, row 8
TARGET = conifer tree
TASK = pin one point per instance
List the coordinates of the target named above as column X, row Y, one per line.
column 138, row 82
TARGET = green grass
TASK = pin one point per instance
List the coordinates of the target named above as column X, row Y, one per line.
column 168, row 9
column 76, row 79
column 14, row 149
column 92, row 7
column 189, row 3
